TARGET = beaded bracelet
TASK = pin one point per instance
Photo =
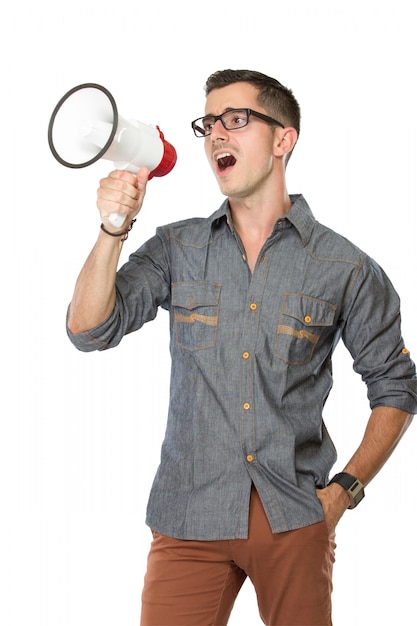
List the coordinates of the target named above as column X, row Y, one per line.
column 124, row 235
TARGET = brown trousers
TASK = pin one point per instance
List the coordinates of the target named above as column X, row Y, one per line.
column 195, row 583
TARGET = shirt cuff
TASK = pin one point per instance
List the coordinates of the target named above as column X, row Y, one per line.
column 99, row 338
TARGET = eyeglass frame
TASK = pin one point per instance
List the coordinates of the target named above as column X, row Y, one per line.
column 249, row 112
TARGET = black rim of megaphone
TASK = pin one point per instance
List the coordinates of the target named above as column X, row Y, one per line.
column 112, row 134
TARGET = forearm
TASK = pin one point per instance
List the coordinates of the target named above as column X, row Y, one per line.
column 384, row 430
column 95, row 291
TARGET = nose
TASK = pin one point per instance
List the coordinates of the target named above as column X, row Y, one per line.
column 218, row 131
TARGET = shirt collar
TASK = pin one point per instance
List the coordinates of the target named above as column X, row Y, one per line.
column 300, row 216
column 221, row 215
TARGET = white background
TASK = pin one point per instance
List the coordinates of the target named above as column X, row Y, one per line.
column 80, row 433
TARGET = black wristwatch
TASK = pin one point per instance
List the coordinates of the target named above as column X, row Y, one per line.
column 353, row 486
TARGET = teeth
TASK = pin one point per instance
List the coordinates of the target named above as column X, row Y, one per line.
column 223, row 156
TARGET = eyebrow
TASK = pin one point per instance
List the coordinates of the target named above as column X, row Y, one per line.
column 225, row 111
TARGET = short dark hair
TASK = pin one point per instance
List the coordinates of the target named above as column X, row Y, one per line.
column 279, row 101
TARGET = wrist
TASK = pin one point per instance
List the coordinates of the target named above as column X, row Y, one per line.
column 123, row 234
column 339, row 495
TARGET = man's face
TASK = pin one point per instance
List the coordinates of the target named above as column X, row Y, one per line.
column 242, row 160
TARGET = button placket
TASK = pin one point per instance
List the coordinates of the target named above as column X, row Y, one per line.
column 249, row 339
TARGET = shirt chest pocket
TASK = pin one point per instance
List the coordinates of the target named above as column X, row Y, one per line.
column 302, row 321
column 196, row 314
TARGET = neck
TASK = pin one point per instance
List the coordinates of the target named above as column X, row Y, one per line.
column 256, row 217
column 255, row 222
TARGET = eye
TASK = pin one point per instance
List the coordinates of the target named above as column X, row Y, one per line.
column 236, row 119
column 208, row 123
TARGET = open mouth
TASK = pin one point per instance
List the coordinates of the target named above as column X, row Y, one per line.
column 225, row 161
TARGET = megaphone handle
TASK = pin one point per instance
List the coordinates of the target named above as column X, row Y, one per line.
column 117, row 219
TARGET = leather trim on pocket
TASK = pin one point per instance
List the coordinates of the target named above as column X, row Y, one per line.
column 196, row 314
column 301, row 322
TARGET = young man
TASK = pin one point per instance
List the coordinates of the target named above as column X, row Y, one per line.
column 258, row 296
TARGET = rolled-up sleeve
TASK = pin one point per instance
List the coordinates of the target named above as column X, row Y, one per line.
column 101, row 337
column 372, row 334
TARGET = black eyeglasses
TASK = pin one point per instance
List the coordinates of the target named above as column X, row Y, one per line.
column 231, row 120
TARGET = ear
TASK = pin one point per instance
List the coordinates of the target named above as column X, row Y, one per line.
column 284, row 140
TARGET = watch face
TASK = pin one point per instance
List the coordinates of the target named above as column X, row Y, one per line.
column 356, row 492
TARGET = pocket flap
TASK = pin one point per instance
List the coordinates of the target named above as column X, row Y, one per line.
column 310, row 311
column 192, row 295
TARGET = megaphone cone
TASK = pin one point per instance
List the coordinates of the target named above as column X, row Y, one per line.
column 85, row 126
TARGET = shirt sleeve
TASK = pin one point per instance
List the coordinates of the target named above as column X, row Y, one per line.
column 142, row 286
column 372, row 334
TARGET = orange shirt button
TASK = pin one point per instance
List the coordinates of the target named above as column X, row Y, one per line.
column 405, row 351
column 249, row 458
column 245, row 355
column 246, row 406
column 253, row 306
column 307, row 319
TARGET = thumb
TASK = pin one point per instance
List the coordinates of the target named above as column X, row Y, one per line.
column 142, row 178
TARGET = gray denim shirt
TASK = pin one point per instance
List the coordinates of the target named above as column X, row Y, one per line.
column 251, row 364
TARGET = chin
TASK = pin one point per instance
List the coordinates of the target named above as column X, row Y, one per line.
column 226, row 186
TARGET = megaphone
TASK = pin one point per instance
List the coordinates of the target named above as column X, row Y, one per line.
column 85, row 126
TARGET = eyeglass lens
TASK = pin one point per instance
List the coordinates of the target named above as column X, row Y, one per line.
column 230, row 120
